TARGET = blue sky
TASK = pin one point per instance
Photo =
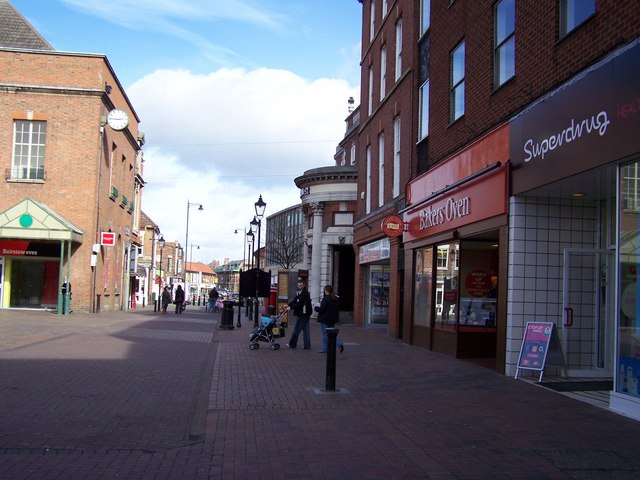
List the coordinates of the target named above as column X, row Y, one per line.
column 236, row 97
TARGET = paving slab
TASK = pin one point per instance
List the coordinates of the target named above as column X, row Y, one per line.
column 143, row 395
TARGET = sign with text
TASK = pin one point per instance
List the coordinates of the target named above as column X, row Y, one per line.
column 540, row 343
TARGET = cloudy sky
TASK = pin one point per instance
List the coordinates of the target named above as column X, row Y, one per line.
column 236, row 98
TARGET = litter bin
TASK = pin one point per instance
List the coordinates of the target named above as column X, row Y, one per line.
column 226, row 321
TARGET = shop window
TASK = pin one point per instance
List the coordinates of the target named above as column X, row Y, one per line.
column 628, row 349
column 446, row 311
column 423, row 288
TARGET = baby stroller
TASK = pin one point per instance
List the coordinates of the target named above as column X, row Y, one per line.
column 271, row 329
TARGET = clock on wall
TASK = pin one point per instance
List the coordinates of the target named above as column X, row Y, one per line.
column 118, row 119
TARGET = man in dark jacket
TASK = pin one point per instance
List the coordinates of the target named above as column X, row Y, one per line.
column 301, row 306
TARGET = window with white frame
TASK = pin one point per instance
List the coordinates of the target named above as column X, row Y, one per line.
column 370, row 103
column 372, row 20
column 29, row 139
column 425, row 16
column 505, row 41
column 381, row 169
column 353, row 154
column 457, row 82
column 574, row 13
column 368, row 188
column 398, row 49
column 383, row 71
column 396, row 156
column 424, row 110
column 385, row 8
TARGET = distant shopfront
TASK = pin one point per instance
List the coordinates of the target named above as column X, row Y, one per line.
column 455, row 244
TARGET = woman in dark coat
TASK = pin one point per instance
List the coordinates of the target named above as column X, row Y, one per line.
column 179, row 299
column 328, row 315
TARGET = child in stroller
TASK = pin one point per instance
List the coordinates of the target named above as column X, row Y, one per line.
column 270, row 329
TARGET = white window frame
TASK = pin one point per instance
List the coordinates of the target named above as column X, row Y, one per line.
column 425, row 16
column 396, row 156
column 28, row 150
column 385, row 8
column 458, row 81
column 353, row 154
column 398, row 49
column 370, row 102
column 381, row 169
column 571, row 16
column 424, row 109
column 383, row 72
column 504, row 41
column 368, row 186
column 372, row 20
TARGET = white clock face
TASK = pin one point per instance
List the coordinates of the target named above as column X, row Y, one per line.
column 118, row 119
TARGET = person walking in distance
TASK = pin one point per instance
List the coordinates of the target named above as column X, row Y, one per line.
column 166, row 299
column 301, row 306
column 179, row 299
column 328, row 315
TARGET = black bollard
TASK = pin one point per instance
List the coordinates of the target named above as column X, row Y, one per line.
column 238, row 325
column 330, row 382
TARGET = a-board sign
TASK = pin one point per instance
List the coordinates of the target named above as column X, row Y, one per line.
column 540, row 346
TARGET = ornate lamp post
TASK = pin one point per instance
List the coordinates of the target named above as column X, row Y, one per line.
column 161, row 247
column 260, row 206
column 250, row 238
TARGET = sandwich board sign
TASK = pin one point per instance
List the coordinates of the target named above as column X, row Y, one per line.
column 540, row 347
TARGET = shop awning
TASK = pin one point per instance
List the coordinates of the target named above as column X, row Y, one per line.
column 33, row 220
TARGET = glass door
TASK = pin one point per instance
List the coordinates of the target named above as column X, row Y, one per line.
column 588, row 323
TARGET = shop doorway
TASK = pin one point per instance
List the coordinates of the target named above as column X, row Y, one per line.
column 587, row 330
column 34, row 283
column 377, row 282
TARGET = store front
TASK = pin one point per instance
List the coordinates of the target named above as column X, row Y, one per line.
column 455, row 239
column 35, row 247
column 374, row 262
column 574, row 223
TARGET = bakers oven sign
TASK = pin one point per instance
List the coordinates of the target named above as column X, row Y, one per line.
column 451, row 210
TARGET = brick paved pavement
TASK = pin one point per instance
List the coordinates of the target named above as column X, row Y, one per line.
column 138, row 395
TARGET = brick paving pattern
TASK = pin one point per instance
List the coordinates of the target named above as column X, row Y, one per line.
column 138, row 395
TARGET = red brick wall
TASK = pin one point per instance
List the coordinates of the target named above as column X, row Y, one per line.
column 543, row 60
column 75, row 158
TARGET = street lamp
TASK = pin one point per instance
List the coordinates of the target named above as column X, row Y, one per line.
column 250, row 253
column 260, row 207
column 244, row 247
column 161, row 246
column 250, row 260
column 186, row 240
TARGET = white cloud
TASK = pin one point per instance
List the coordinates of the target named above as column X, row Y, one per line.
column 224, row 138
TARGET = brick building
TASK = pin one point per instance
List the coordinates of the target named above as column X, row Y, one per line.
column 72, row 155
column 385, row 157
column 521, row 204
